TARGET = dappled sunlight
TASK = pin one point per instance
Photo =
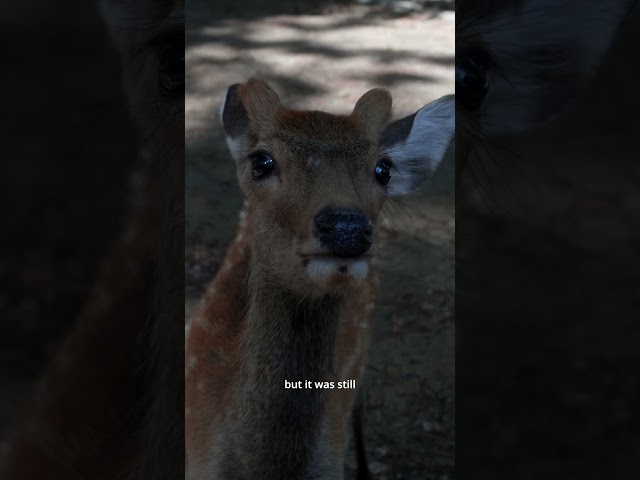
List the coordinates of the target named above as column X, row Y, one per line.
column 344, row 55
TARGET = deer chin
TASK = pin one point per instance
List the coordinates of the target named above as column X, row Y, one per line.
column 330, row 270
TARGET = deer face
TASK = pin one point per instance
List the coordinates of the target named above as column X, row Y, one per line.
column 316, row 182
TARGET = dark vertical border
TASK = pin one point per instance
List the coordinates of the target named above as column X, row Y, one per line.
column 92, row 241
column 547, row 279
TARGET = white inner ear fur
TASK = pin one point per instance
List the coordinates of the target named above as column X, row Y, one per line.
column 221, row 109
column 417, row 156
column 237, row 145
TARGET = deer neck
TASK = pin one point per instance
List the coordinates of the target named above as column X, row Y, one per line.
column 290, row 338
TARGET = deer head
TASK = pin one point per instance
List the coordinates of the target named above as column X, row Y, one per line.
column 316, row 182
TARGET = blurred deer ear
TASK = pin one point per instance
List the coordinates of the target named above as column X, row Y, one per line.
column 542, row 53
column 373, row 110
column 248, row 110
column 416, row 144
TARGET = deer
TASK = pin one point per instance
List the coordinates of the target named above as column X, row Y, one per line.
column 110, row 404
column 295, row 294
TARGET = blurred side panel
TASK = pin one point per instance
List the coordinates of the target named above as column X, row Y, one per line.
column 91, row 269
column 547, row 235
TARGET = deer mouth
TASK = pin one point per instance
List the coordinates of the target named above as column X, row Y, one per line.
column 325, row 268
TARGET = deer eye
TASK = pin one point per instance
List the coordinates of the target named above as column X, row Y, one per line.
column 472, row 79
column 262, row 165
column 383, row 171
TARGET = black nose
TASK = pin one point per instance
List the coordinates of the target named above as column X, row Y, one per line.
column 346, row 233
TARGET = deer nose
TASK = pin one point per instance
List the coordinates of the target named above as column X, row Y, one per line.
column 346, row 233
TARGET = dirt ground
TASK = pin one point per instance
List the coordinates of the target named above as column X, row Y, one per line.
column 326, row 61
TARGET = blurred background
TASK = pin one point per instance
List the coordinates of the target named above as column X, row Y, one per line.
column 547, row 279
column 85, row 127
column 324, row 56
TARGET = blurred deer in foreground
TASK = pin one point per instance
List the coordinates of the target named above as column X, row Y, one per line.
column 520, row 62
column 294, row 297
column 111, row 404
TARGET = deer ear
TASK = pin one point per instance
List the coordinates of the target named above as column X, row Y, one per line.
column 235, row 122
column 373, row 110
column 542, row 55
column 248, row 111
column 416, row 144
